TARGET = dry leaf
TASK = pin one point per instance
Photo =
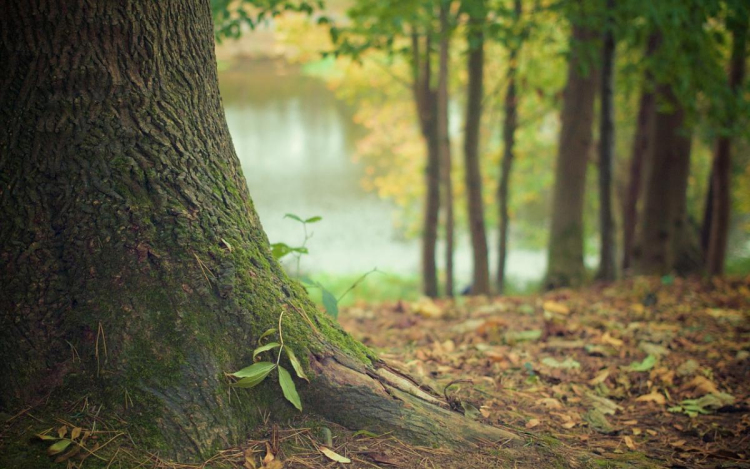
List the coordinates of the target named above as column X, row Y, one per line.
column 269, row 457
column 532, row 423
column 609, row 340
column 629, row 443
column 334, row 456
column 701, row 384
column 600, row 378
column 653, row 396
column 550, row 403
column 555, row 307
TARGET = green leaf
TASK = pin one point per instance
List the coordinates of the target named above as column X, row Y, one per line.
column 313, row 219
column 287, row 386
column 265, row 348
column 58, row 447
column 253, row 375
column 294, row 217
column 279, row 250
column 645, row 365
column 47, row 437
column 267, row 333
column 330, row 303
column 296, row 364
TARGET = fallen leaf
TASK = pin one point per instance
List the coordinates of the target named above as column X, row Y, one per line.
column 555, row 307
column 600, row 378
column 334, row 456
column 629, row 443
column 653, row 396
column 532, row 423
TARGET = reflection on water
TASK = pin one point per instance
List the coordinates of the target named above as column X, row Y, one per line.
column 295, row 141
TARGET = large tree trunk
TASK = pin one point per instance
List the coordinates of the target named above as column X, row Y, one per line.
column 565, row 256
column 721, row 173
column 126, row 220
column 640, row 147
column 481, row 278
column 509, row 136
column 425, row 98
column 607, row 267
column 445, row 143
column 663, row 235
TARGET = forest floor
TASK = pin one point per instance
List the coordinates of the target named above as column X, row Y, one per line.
column 641, row 373
column 651, row 367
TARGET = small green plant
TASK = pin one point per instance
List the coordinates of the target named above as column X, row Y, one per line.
column 279, row 250
column 253, row 375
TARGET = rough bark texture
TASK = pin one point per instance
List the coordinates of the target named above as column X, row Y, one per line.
column 721, row 173
column 509, row 135
column 607, row 266
column 565, row 256
column 481, row 274
column 426, row 102
column 445, row 145
column 663, row 235
column 635, row 182
column 127, row 220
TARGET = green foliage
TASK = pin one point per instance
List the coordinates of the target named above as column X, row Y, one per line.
column 231, row 16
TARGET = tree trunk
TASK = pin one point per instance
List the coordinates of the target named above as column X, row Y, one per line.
column 426, row 101
column 607, row 268
column 641, row 141
column 721, row 200
column 509, row 132
column 445, row 143
column 135, row 270
column 565, row 256
column 663, row 235
column 481, row 278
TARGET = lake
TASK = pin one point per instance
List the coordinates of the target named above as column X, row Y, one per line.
column 295, row 141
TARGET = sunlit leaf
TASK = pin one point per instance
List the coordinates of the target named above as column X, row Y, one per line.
column 334, row 456
column 265, row 348
column 288, row 388
column 267, row 333
column 313, row 219
column 58, row 447
column 253, row 374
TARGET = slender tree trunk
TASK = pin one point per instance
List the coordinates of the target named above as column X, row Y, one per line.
column 565, row 256
column 127, row 221
column 607, row 267
column 509, row 134
column 445, row 143
column 426, row 101
column 722, row 167
column 663, row 229
column 646, row 110
column 481, row 277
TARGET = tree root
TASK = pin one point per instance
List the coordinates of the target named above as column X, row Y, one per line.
column 379, row 398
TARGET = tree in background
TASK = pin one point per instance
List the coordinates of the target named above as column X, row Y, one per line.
column 476, row 11
column 510, row 124
column 646, row 109
column 719, row 199
column 444, row 142
column 565, row 253
column 607, row 265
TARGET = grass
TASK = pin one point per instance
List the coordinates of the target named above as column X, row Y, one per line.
column 380, row 287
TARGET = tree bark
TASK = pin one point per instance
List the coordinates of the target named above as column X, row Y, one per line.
column 481, row 275
column 565, row 256
column 721, row 200
column 663, row 235
column 509, row 134
column 127, row 222
column 607, row 266
column 445, row 143
column 425, row 98
column 646, row 110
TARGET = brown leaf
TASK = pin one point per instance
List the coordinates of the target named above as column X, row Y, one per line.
column 653, row 396
column 555, row 307
column 532, row 423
